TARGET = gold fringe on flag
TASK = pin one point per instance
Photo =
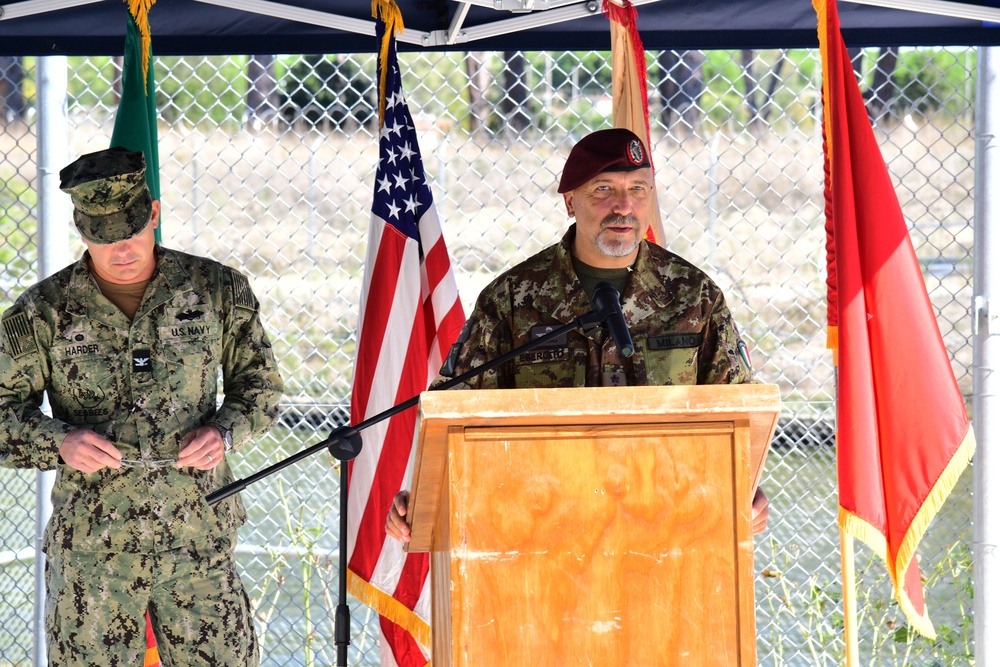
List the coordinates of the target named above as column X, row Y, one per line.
column 870, row 535
column 139, row 9
column 389, row 607
column 393, row 20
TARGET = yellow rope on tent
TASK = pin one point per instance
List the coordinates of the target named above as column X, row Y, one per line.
column 393, row 20
column 139, row 9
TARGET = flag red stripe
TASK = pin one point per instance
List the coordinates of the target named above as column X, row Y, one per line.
column 415, row 571
column 391, row 469
column 405, row 651
column 413, row 378
column 437, row 264
column 152, row 657
column 388, row 261
column 393, row 461
column 452, row 321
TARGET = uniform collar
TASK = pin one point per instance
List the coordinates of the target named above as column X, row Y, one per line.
column 563, row 282
column 573, row 302
column 166, row 281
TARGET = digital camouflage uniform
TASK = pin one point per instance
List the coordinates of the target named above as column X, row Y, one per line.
column 143, row 385
column 682, row 331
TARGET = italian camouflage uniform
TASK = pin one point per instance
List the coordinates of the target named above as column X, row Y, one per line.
column 143, row 385
column 681, row 328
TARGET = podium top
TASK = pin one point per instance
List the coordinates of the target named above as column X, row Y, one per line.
column 756, row 405
column 596, row 404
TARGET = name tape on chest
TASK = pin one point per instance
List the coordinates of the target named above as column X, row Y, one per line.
column 543, row 355
column 675, row 341
column 81, row 350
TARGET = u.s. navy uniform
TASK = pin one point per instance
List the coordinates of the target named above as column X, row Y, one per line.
column 681, row 327
column 120, row 540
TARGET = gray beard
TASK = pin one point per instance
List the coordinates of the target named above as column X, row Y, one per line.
column 618, row 248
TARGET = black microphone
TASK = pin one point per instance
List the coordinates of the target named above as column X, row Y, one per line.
column 606, row 301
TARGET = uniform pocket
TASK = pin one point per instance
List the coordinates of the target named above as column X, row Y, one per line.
column 677, row 365
column 549, row 367
column 85, row 380
column 187, row 361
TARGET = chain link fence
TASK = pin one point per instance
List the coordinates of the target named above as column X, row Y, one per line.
column 268, row 164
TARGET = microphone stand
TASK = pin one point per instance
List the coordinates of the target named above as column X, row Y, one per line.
column 345, row 444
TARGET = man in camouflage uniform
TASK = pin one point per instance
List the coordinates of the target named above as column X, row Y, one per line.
column 129, row 343
column 682, row 330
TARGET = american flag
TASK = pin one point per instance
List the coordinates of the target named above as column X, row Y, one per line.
column 410, row 315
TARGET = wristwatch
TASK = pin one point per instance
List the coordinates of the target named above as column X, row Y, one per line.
column 227, row 436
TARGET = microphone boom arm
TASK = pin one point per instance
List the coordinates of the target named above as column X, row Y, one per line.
column 344, row 443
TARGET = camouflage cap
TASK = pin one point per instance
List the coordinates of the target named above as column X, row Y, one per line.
column 617, row 149
column 110, row 198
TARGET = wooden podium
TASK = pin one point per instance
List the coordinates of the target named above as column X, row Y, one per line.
column 591, row 526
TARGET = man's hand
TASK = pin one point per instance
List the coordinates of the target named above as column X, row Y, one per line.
column 87, row 451
column 201, row 449
column 395, row 523
column 758, row 511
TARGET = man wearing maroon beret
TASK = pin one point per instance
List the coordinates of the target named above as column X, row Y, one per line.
column 681, row 328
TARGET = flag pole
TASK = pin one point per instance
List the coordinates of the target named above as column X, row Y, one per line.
column 848, row 580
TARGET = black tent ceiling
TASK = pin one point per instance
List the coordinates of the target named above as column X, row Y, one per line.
column 210, row 27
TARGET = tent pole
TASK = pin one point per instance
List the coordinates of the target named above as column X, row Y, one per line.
column 958, row 10
column 986, row 361
column 18, row 10
column 53, row 252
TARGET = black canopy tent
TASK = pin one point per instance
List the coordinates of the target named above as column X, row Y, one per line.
column 232, row 27
column 226, row 27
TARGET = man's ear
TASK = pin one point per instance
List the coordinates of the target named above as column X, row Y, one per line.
column 568, row 199
column 155, row 217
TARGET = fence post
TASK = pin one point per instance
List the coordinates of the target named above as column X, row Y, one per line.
column 986, row 353
column 53, row 236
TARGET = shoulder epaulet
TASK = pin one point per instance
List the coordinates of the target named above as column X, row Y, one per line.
column 18, row 337
column 242, row 294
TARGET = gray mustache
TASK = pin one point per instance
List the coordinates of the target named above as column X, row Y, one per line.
column 615, row 220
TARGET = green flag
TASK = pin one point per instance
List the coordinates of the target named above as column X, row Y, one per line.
column 135, row 123
column 135, row 129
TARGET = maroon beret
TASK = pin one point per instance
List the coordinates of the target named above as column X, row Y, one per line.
column 605, row 150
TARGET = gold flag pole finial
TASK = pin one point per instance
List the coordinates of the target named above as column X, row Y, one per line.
column 139, row 9
column 393, row 19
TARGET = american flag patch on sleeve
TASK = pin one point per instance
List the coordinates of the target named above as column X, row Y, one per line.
column 242, row 294
column 18, row 337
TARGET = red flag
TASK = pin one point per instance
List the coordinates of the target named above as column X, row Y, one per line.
column 410, row 315
column 152, row 657
column 903, row 434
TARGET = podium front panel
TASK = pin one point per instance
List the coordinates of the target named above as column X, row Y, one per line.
column 598, row 544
